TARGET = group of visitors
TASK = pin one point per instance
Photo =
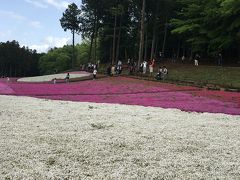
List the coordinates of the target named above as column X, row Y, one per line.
column 7, row 78
column 162, row 73
column 145, row 64
column 91, row 67
column 115, row 69
column 67, row 79
column 132, row 65
column 197, row 57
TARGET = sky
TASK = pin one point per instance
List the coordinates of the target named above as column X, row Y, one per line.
column 35, row 23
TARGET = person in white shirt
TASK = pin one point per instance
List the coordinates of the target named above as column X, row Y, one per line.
column 183, row 59
column 144, row 65
column 196, row 60
column 119, row 67
column 94, row 73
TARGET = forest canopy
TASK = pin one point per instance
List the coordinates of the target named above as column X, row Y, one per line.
column 115, row 30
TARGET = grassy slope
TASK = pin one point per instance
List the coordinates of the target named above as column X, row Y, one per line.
column 203, row 74
column 224, row 76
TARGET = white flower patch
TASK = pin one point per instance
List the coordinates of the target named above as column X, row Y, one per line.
column 46, row 139
column 47, row 78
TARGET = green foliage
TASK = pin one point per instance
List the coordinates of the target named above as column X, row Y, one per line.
column 171, row 26
column 209, row 26
column 70, row 19
column 82, row 53
column 59, row 59
column 17, row 61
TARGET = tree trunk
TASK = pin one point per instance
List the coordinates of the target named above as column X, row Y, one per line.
column 140, row 52
column 183, row 53
column 126, row 55
column 110, row 55
column 165, row 36
column 114, row 39
column 178, row 50
column 91, row 44
column 73, row 55
column 15, row 71
column 10, row 70
column 95, row 42
column 156, row 47
column 191, row 55
column 95, row 49
column 154, row 31
column 119, row 37
column 1, row 72
column 145, row 48
column 153, row 45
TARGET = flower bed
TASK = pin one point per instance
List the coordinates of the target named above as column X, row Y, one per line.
column 47, row 78
column 44, row 139
column 135, row 92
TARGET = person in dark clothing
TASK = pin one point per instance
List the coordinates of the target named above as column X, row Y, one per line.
column 67, row 78
column 109, row 70
column 220, row 59
column 196, row 60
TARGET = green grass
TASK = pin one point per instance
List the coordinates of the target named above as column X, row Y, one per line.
column 203, row 75
column 222, row 76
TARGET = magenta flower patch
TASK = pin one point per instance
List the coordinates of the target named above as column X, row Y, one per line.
column 123, row 90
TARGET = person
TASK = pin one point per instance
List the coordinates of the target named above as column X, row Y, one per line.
column 183, row 59
column 140, row 70
column 83, row 67
column 196, row 59
column 161, row 56
column 151, row 65
column 113, row 70
column 67, row 78
column 54, row 80
column 89, row 67
column 119, row 67
column 128, row 62
column 164, row 72
column 94, row 66
column 174, row 58
column 109, row 70
column 132, row 67
column 159, row 74
column 144, row 66
column 220, row 59
column 98, row 64
column 94, row 73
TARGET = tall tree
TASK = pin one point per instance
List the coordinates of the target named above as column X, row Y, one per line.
column 17, row 61
column 71, row 21
column 140, row 53
column 154, row 29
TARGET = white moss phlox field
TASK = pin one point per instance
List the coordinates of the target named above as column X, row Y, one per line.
column 47, row 78
column 45, row 139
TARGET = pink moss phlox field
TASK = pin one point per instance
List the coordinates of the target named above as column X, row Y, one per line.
column 133, row 92
column 4, row 88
